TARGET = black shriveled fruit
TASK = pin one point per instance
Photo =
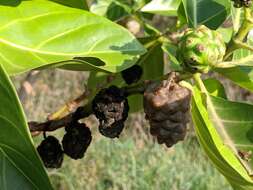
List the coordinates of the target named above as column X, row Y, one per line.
column 132, row 74
column 166, row 105
column 76, row 140
column 51, row 152
column 110, row 106
column 242, row 3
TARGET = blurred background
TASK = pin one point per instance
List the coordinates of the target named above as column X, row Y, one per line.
column 132, row 162
column 135, row 161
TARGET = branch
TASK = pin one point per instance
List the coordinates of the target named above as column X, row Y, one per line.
column 52, row 125
column 236, row 42
column 86, row 111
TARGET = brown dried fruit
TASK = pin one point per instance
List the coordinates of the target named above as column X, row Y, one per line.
column 166, row 105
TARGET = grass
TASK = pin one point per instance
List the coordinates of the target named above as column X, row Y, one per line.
column 126, row 164
column 133, row 162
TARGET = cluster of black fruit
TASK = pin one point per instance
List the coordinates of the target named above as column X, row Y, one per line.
column 111, row 108
column 74, row 144
column 242, row 3
column 166, row 105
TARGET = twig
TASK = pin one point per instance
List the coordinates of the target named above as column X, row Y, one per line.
column 69, row 106
column 52, row 125
column 236, row 42
column 85, row 111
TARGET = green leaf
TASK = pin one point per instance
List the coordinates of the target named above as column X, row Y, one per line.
column 226, row 33
column 215, row 88
column 211, row 13
column 236, row 122
column 162, row 7
column 219, row 151
column 112, row 9
column 242, row 53
column 80, row 4
column 243, row 61
column 170, row 50
column 242, row 76
column 52, row 33
column 20, row 165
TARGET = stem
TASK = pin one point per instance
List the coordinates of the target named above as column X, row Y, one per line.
column 199, row 82
column 68, row 107
column 236, row 42
column 52, row 125
column 60, row 121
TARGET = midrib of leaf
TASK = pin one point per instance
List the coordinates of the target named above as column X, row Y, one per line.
column 62, row 54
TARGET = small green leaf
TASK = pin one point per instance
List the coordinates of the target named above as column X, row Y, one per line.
column 20, row 165
column 171, row 50
column 243, row 61
column 226, row 33
column 211, row 13
column 162, row 7
column 40, row 33
column 242, row 53
column 242, row 76
column 215, row 88
column 111, row 9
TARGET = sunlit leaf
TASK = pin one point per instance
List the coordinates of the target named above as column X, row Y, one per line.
column 162, row 7
column 41, row 32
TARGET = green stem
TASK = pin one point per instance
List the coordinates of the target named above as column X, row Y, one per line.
column 236, row 41
column 199, row 82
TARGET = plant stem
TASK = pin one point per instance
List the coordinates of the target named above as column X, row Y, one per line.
column 237, row 41
column 52, row 125
column 68, row 107
column 199, row 82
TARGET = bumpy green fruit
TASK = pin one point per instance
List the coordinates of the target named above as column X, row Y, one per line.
column 200, row 48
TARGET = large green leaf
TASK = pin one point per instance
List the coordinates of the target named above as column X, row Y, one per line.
column 20, row 165
column 162, row 7
column 235, row 120
column 37, row 33
column 80, row 4
column 211, row 13
column 217, row 149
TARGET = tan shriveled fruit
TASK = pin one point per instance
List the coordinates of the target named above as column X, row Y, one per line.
column 166, row 105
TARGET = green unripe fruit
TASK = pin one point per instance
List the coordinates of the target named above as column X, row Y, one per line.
column 200, row 48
